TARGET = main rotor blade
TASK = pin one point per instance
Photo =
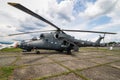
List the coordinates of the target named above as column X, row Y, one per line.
column 29, row 32
column 62, row 30
column 88, row 31
column 21, row 7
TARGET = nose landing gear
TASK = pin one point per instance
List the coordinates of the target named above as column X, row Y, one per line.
column 37, row 52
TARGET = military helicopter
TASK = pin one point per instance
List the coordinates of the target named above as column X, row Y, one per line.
column 56, row 40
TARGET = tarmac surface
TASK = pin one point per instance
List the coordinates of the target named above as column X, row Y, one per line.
column 52, row 65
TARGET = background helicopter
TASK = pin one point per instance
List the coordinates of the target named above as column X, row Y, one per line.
column 56, row 40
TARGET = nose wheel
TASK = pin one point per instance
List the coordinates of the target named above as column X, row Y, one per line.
column 37, row 52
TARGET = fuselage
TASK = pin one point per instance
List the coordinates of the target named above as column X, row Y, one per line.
column 54, row 41
column 47, row 41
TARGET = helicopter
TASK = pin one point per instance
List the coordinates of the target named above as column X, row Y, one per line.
column 57, row 40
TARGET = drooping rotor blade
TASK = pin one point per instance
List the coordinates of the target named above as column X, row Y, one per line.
column 29, row 32
column 88, row 31
column 21, row 7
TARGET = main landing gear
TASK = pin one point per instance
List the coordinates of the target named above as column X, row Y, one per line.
column 69, row 48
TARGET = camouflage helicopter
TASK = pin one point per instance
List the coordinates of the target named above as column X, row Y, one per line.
column 56, row 40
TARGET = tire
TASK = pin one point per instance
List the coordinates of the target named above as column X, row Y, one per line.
column 60, row 50
column 69, row 52
column 37, row 52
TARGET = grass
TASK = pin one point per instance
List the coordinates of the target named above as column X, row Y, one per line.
column 5, row 72
column 98, row 49
column 11, row 50
column 82, row 49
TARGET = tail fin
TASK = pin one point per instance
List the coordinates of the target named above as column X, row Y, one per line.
column 99, row 40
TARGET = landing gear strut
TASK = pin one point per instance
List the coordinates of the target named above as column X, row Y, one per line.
column 69, row 49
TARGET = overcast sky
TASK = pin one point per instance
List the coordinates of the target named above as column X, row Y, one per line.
column 99, row 15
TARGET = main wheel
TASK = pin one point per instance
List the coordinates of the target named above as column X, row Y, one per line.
column 60, row 50
column 69, row 52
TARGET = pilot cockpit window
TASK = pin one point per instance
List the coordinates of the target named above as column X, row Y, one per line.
column 42, row 36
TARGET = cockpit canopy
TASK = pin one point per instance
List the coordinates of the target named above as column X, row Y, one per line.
column 42, row 36
column 34, row 38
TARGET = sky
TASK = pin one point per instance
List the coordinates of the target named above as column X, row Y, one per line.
column 96, row 15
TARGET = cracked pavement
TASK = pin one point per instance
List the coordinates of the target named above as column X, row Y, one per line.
column 51, row 65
